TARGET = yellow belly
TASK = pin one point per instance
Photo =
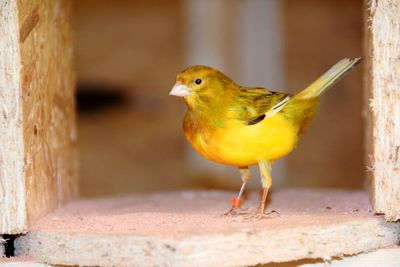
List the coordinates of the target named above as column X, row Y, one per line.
column 242, row 145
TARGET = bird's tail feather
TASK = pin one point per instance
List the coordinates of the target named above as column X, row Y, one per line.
column 328, row 79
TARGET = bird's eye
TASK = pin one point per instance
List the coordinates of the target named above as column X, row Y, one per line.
column 197, row 81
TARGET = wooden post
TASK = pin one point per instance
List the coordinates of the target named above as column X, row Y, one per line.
column 383, row 123
column 37, row 118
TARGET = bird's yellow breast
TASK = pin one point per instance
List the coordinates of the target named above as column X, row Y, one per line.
column 241, row 145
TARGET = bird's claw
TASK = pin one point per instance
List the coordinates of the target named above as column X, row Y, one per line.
column 235, row 211
column 260, row 215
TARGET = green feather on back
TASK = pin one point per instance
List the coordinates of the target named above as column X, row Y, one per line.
column 253, row 103
column 256, row 103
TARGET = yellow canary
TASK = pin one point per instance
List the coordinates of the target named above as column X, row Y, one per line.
column 243, row 126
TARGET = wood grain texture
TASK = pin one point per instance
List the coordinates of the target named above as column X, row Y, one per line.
column 383, row 83
column 388, row 257
column 45, row 123
column 187, row 228
column 48, row 84
column 12, row 188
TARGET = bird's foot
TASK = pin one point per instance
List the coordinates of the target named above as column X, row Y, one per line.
column 236, row 211
column 236, row 208
column 260, row 215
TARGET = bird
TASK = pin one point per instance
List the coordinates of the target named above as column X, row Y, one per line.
column 243, row 126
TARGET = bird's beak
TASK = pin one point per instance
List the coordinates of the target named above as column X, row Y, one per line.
column 180, row 90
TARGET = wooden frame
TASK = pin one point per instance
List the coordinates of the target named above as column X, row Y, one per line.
column 38, row 169
column 382, row 81
column 37, row 134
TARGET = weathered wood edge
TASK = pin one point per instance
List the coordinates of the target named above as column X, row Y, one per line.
column 387, row 256
column 169, row 229
column 12, row 187
column 243, row 248
column 382, row 81
column 48, row 82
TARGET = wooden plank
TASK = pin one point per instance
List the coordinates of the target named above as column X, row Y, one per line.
column 388, row 257
column 12, row 195
column 383, row 83
column 42, row 173
column 188, row 229
column 48, row 84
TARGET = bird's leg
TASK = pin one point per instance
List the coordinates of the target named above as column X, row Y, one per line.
column 266, row 180
column 245, row 173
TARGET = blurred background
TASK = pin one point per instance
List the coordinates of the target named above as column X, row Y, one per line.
column 127, row 56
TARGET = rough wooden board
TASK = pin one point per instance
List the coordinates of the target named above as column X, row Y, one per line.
column 383, row 82
column 388, row 257
column 188, row 229
column 48, row 101
column 12, row 197
column 38, row 162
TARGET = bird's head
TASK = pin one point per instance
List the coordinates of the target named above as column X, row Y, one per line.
column 201, row 85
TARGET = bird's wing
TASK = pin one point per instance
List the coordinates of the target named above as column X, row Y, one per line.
column 254, row 104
